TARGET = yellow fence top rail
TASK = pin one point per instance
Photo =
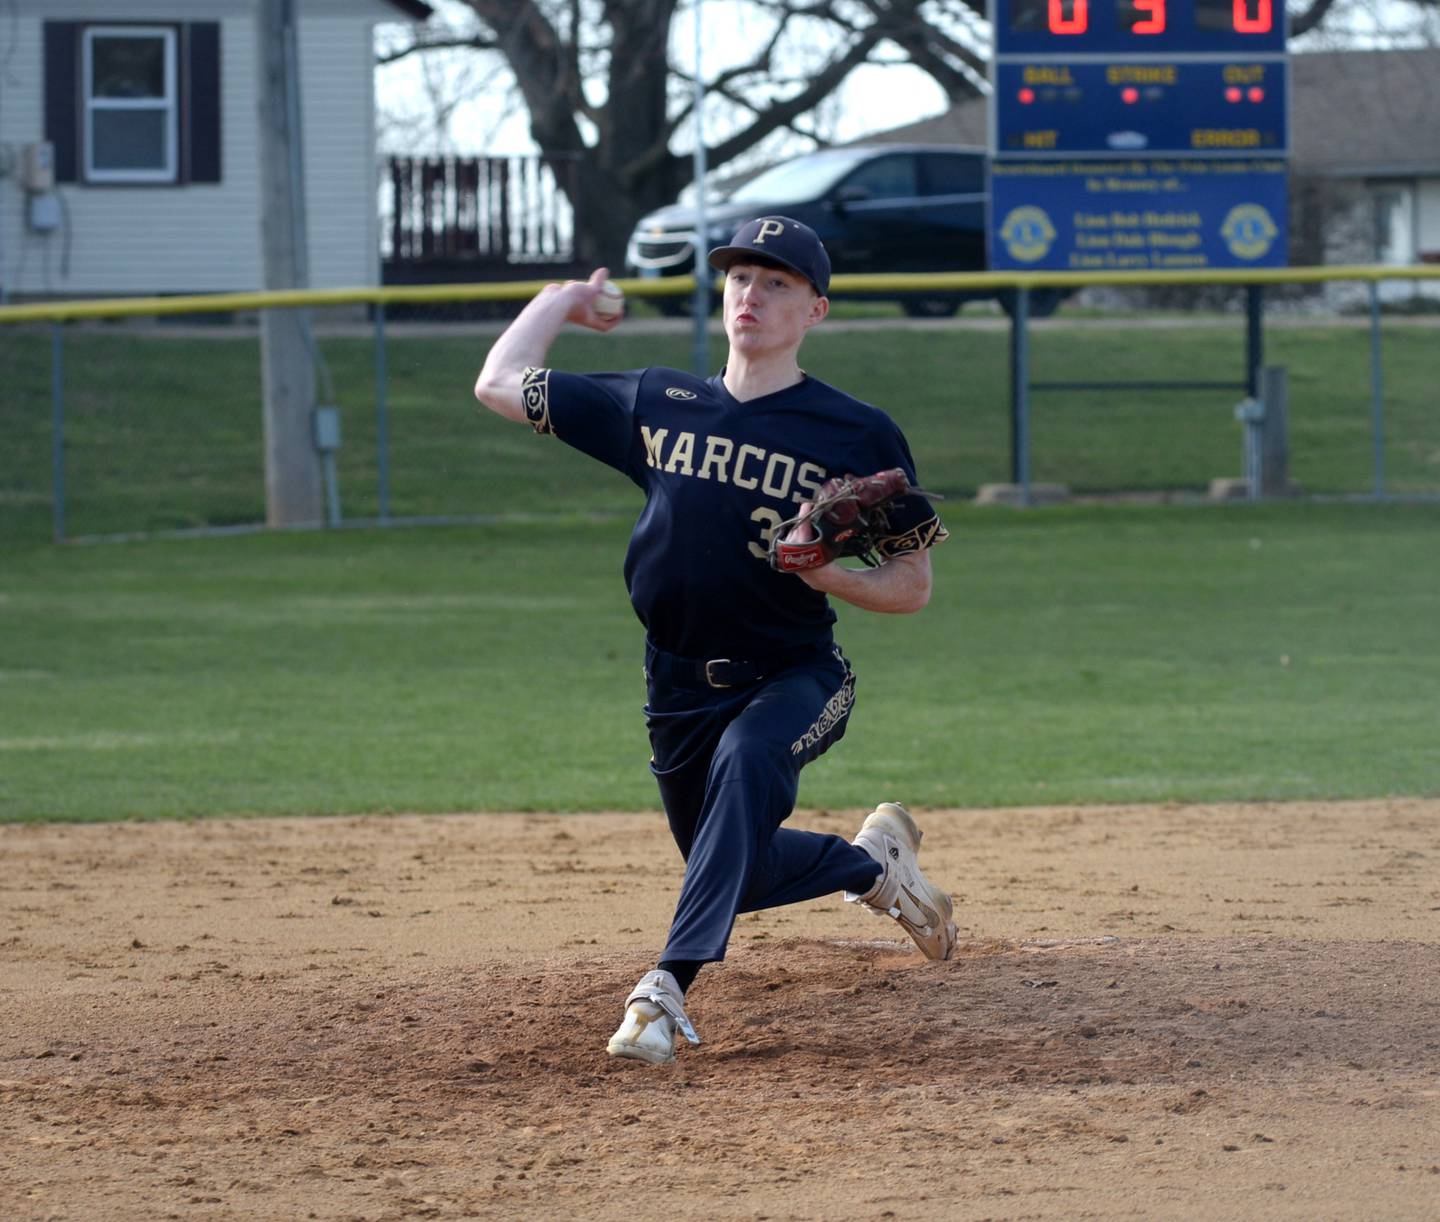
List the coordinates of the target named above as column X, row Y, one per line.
column 521, row 290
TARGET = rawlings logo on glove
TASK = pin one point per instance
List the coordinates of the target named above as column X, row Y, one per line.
column 849, row 517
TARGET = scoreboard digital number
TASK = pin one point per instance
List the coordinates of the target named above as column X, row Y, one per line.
column 1139, row 27
column 1173, row 78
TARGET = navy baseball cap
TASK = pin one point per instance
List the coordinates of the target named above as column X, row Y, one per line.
column 778, row 239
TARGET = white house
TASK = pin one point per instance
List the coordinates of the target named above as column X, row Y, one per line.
column 1366, row 132
column 129, row 153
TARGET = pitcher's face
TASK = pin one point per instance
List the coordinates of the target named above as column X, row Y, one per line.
column 768, row 309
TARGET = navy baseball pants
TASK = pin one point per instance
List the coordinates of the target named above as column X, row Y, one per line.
column 728, row 760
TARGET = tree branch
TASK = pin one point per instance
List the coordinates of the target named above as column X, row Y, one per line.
column 929, row 47
column 1312, row 16
column 444, row 42
column 544, row 68
column 783, row 113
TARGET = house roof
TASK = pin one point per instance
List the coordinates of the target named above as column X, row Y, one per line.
column 966, row 123
column 1366, row 113
column 1352, row 114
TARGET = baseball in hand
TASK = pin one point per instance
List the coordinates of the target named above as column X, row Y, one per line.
column 611, row 301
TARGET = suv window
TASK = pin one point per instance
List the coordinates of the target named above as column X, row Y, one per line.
column 795, row 182
column 954, row 174
column 892, row 177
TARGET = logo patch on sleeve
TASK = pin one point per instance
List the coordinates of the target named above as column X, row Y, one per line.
column 535, row 395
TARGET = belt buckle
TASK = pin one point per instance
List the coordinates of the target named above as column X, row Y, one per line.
column 710, row 677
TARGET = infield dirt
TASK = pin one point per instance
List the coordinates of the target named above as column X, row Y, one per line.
column 1174, row 1012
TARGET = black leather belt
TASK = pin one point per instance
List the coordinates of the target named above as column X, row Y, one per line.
column 708, row 672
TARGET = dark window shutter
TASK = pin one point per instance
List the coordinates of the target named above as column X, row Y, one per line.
column 62, row 70
column 202, row 101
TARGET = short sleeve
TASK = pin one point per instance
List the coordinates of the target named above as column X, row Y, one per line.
column 912, row 524
column 594, row 413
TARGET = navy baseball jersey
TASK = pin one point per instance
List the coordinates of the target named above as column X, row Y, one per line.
column 719, row 477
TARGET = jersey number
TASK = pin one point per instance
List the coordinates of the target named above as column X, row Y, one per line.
column 769, row 523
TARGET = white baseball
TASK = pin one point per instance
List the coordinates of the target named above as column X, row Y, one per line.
column 611, row 301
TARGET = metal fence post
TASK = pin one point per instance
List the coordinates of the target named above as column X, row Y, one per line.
column 1020, row 394
column 1254, row 337
column 382, row 415
column 1274, row 469
column 1251, row 414
column 57, row 429
column 1377, row 392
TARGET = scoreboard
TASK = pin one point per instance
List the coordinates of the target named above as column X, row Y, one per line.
column 1101, row 78
column 1138, row 134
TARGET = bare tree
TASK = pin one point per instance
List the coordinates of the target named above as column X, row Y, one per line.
column 606, row 91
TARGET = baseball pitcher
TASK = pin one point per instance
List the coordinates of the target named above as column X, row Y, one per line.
column 756, row 482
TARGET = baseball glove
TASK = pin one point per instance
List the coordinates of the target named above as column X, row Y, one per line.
column 849, row 517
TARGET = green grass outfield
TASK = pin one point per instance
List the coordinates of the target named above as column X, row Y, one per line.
column 1080, row 654
column 165, row 432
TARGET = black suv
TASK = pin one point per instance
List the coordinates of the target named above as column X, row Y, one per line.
column 877, row 208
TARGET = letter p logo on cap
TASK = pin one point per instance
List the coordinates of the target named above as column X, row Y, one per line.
column 779, row 240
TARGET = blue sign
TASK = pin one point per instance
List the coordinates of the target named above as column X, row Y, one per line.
column 1174, row 108
column 1151, row 215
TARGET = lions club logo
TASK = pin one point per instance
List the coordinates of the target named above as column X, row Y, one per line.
column 1248, row 231
column 1027, row 234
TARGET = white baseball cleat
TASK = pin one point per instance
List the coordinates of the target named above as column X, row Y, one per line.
column 654, row 1012
column 890, row 836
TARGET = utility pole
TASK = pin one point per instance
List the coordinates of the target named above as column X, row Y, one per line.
column 700, row 339
column 292, row 467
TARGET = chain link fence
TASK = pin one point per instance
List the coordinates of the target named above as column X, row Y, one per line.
column 123, row 422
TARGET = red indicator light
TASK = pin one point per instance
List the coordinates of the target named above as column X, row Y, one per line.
column 1026, row 96
column 1129, row 95
column 1234, row 93
column 1256, row 94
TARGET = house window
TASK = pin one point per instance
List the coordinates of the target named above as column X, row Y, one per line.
column 133, row 104
column 131, row 101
